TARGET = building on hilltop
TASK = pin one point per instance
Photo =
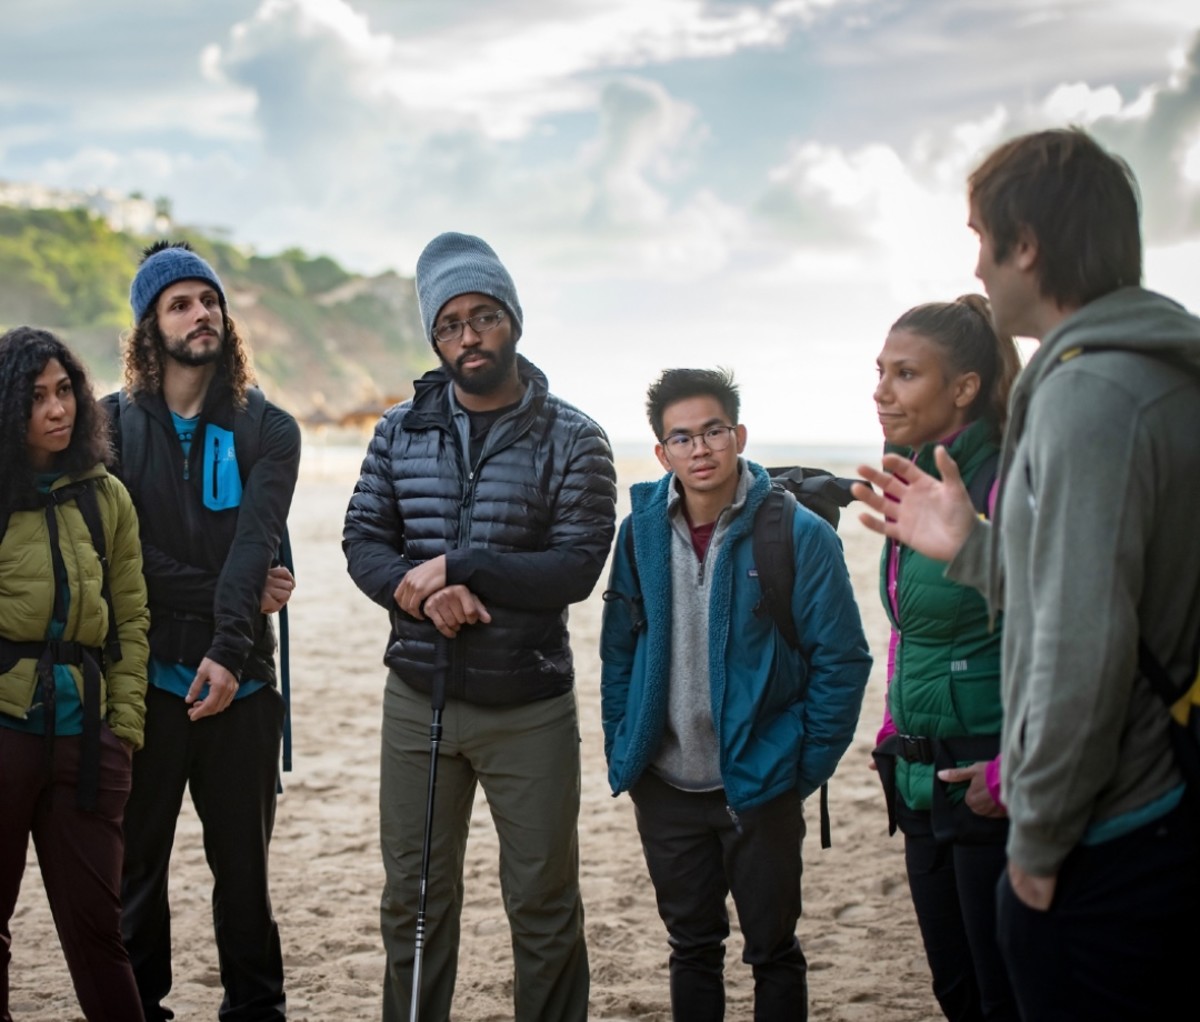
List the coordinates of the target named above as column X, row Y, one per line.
column 131, row 213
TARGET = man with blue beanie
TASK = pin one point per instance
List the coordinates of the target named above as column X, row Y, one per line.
column 485, row 507
column 211, row 466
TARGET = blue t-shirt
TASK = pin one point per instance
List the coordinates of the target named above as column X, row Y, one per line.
column 222, row 491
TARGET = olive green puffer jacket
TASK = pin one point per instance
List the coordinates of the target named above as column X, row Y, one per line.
column 27, row 600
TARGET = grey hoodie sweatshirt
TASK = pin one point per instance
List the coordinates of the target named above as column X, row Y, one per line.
column 1096, row 542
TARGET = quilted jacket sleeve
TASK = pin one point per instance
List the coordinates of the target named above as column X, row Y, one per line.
column 373, row 532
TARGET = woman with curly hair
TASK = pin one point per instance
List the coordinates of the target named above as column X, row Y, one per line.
column 73, row 622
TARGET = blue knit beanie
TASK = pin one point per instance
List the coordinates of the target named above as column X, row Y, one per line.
column 163, row 268
column 458, row 264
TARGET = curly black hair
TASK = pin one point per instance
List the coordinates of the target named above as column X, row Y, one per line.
column 24, row 353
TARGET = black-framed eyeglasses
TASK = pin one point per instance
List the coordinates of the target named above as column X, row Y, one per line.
column 484, row 323
column 716, row 438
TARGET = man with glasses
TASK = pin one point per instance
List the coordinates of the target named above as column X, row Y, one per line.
column 715, row 725
column 485, row 506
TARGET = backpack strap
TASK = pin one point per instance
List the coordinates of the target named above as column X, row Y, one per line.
column 637, row 607
column 775, row 560
column 981, row 483
column 247, row 431
column 83, row 492
column 247, row 444
column 89, row 507
column 129, row 438
column 285, row 673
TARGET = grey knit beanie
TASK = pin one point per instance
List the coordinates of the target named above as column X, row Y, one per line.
column 458, row 264
column 163, row 268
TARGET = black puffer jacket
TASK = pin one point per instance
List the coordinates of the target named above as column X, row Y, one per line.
column 527, row 531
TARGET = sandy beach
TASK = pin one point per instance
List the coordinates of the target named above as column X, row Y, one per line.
column 858, row 928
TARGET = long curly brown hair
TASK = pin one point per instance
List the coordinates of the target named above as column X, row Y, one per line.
column 143, row 353
column 24, row 353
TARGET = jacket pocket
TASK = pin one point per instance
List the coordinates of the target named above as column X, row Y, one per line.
column 222, row 480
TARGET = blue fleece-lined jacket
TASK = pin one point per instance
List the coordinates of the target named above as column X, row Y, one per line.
column 783, row 717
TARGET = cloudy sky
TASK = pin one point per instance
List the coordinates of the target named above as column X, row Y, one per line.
column 761, row 184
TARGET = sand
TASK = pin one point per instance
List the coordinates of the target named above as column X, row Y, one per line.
column 858, row 929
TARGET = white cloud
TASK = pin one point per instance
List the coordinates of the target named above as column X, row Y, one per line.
column 764, row 183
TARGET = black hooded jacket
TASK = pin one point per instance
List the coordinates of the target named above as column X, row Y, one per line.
column 527, row 530
column 206, row 569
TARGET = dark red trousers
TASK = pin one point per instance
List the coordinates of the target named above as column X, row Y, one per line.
column 79, row 853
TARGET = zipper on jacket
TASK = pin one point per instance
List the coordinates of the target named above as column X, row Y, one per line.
column 737, row 824
column 216, row 465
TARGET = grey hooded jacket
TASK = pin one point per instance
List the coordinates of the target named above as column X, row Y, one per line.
column 1098, row 544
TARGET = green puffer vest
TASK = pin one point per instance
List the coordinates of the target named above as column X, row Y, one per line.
column 946, row 680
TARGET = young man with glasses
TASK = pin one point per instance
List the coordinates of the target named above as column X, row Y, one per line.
column 715, row 725
column 485, row 507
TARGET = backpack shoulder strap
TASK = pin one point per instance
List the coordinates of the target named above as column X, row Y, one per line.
column 129, row 438
column 637, row 611
column 247, row 430
column 981, row 483
column 83, row 492
column 89, row 507
column 247, row 444
column 775, row 560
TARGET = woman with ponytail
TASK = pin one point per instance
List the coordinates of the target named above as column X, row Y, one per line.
column 944, row 379
column 73, row 623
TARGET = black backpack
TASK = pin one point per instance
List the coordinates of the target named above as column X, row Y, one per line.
column 775, row 554
column 129, row 437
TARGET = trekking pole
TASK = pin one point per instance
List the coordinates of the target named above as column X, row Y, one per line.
column 437, row 701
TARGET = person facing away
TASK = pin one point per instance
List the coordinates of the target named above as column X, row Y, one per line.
column 944, row 379
column 485, row 507
column 72, row 665
column 1092, row 551
column 211, row 523
column 716, row 727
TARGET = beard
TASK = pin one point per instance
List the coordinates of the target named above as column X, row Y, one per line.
column 179, row 349
column 486, row 378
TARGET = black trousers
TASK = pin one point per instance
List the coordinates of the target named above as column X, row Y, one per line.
column 1118, row 941
column 697, row 854
column 229, row 762
column 953, row 887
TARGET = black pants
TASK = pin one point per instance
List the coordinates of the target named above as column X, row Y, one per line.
column 229, row 762
column 697, row 855
column 1118, row 941
column 953, row 887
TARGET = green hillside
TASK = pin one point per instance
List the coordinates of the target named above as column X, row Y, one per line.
column 324, row 339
